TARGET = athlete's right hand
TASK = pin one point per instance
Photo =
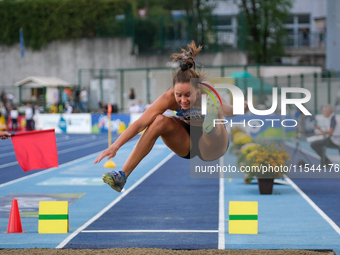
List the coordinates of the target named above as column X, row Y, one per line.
column 110, row 153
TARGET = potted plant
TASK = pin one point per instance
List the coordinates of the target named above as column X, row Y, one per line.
column 265, row 163
column 239, row 139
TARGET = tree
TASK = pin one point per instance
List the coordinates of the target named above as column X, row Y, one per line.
column 265, row 30
column 196, row 10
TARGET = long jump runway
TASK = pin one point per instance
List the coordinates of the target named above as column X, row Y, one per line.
column 162, row 207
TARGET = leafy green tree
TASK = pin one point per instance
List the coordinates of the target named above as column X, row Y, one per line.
column 265, row 30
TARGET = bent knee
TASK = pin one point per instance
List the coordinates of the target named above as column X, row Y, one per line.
column 161, row 123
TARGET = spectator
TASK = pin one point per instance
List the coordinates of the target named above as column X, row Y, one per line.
column 14, row 117
column 141, row 106
column 29, row 117
column 76, row 99
column 69, row 108
column 4, row 111
column 103, row 107
column 132, row 96
column 305, row 38
column 331, row 135
column 54, row 108
column 35, row 115
column 3, row 97
column 83, row 99
column 64, row 96
column 134, row 108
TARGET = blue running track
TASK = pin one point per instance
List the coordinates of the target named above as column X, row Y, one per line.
column 162, row 206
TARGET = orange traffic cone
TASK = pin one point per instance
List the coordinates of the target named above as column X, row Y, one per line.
column 14, row 223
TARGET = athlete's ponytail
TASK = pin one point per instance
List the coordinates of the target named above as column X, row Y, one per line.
column 187, row 68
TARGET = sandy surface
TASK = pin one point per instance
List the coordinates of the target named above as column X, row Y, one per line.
column 137, row 251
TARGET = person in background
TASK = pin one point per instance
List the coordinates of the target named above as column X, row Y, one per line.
column 134, row 108
column 69, row 108
column 76, row 97
column 14, row 117
column 54, row 108
column 4, row 117
column 29, row 117
column 83, row 100
column 35, row 115
column 141, row 106
column 3, row 97
column 132, row 96
column 4, row 135
column 331, row 135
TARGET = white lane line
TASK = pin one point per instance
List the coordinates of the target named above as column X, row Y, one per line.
column 81, row 147
column 8, row 164
column 69, row 238
column 302, row 150
column 221, row 217
column 75, row 141
column 149, row 231
column 49, row 170
column 312, row 204
column 45, row 171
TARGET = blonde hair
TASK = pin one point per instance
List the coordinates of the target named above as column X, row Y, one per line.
column 188, row 67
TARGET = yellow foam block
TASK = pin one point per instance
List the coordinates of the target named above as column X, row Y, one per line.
column 243, row 226
column 53, row 217
column 243, row 217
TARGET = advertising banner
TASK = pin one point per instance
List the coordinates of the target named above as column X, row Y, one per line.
column 119, row 122
column 65, row 123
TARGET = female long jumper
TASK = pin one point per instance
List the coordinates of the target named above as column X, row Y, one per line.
column 185, row 98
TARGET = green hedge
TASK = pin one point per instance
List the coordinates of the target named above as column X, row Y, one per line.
column 46, row 20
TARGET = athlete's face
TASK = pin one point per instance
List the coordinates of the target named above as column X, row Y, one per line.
column 185, row 94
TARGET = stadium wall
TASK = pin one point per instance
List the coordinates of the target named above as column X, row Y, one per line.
column 63, row 59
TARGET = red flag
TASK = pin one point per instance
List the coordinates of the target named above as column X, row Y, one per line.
column 36, row 149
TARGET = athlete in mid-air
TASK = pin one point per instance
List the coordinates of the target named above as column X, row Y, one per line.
column 207, row 141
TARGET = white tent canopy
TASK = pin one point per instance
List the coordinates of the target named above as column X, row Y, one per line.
column 30, row 86
column 40, row 81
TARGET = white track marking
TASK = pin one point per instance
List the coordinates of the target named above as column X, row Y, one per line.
column 48, row 170
column 69, row 238
column 221, row 217
column 150, row 231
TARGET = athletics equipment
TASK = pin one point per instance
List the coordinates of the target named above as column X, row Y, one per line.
column 243, row 217
column 53, row 217
column 14, row 223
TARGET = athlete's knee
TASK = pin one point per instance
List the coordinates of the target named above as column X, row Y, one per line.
column 161, row 123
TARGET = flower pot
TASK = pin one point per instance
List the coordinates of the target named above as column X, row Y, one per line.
column 265, row 185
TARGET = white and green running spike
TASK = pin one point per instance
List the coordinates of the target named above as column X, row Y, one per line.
column 213, row 107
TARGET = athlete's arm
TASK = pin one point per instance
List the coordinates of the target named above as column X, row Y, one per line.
column 164, row 102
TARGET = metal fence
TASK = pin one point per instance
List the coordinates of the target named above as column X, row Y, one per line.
column 113, row 86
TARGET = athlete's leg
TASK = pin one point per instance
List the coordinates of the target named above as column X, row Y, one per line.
column 215, row 144
column 171, row 131
column 214, row 140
